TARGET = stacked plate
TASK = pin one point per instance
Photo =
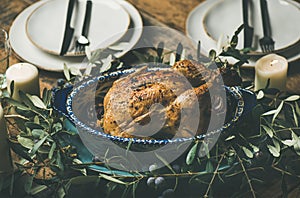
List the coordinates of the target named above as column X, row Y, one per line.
column 214, row 19
column 37, row 33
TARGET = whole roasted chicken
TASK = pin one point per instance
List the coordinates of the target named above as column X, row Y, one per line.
column 183, row 101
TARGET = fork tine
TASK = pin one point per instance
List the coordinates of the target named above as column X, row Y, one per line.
column 263, row 47
column 267, row 48
column 78, row 49
column 272, row 47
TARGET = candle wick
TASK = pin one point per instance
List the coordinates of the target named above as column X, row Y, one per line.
column 273, row 62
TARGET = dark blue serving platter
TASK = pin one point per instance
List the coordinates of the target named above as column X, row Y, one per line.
column 62, row 102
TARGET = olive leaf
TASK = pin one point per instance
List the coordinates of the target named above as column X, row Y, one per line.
column 75, row 71
column 67, row 72
column 255, row 148
column 51, row 152
column 297, row 147
column 297, row 109
column 57, row 127
column 297, row 142
column 179, row 50
column 141, row 57
column 277, row 111
column 159, row 50
column 82, row 170
column 106, row 64
column 172, row 59
column 17, row 104
column 120, row 65
column 276, row 144
column 37, row 101
column 33, row 125
column 36, row 120
column 19, row 149
column 289, row 142
column 294, row 115
column 182, row 56
column 235, row 53
column 209, row 167
column 25, row 142
column 88, row 53
column 268, row 130
column 292, row 98
column 274, row 112
column 27, row 101
column 247, row 152
column 37, row 189
column 80, row 180
column 12, row 88
column 109, row 178
column 234, row 39
column 59, row 162
column 274, row 151
column 212, row 54
column 230, row 138
column 191, row 154
column 38, row 145
column 46, row 96
column 38, row 133
column 28, row 183
column 260, row 95
column 151, row 59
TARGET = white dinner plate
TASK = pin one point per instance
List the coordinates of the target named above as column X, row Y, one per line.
column 107, row 18
column 28, row 52
column 212, row 18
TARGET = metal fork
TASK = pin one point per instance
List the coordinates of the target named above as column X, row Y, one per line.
column 266, row 43
column 83, row 40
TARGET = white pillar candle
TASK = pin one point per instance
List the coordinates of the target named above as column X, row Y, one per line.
column 273, row 67
column 25, row 77
column 5, row 159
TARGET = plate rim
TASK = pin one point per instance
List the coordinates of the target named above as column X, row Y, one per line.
column 71, row 53
column 251, row 53
column 204, row 51
column 55, row 63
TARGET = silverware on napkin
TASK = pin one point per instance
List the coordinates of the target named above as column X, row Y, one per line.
column 248, row 30
column 69, row 31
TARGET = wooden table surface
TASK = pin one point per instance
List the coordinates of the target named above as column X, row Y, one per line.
column 172, row 13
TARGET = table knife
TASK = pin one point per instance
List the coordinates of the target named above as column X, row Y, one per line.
column 248, row 31
column 69, row 31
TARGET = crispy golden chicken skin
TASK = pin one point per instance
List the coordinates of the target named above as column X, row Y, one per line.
column 162, row 103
